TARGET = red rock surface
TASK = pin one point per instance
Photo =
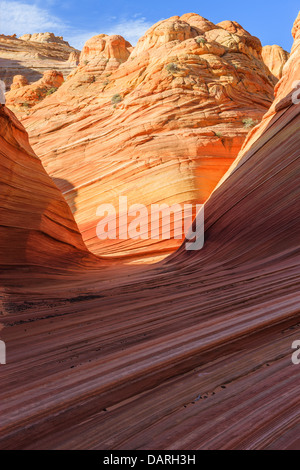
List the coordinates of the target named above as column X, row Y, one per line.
column 193, row 353
column 160, row 125
column 37, row 228
column 275, row 57
column 32, row 55
column 18, row 82
column 22, row 97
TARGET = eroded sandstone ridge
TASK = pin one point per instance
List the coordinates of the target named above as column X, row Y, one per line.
column 275, row 57
column 193, row 353
column 158, row 123
column 23, row 96
column 37, row 228
column 32, row 55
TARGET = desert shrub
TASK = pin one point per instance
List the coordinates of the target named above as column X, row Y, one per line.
column 25, row 105
column 248, row 123
column 219, row 134
column 85, row 62
column 201, row 40
column 172, row 68
column 116, row 98
column 51, row 91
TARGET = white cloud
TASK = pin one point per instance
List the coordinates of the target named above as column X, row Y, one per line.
column 131, row 29
column 21, row 18
column 77, row 39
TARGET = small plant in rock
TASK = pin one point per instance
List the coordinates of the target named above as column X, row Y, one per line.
column 201, row 40
column 219, row 134
column 51, row 91
column 116, row 99
column 26, row 105
column 172, row 68
column 248, row 123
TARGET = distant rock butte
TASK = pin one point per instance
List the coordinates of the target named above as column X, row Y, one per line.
column 74, row 58
column 275, row 57
column 32, row 55
column 19, row 81
column 23, row 96
column 158, row 123
column 105, row 47
column 44, row 37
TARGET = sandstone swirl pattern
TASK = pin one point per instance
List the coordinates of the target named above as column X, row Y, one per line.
column 192, row 353
column 275, row 57
column 160, row 122
column 32, row 55
column 37, row 228
column 23, row 96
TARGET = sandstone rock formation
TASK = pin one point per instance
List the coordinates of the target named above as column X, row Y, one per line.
column 74, row 58
column 161, row 125
column 44, row 37
column 275, row 57
column 194, row 353
column 19, row 81
column 105, row 47
column 32, row 55
column 22, row 97
column 37, row 228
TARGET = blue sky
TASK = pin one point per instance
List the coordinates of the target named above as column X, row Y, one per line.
column 79, row 20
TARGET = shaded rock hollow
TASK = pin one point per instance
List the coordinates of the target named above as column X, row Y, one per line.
column 158, row 123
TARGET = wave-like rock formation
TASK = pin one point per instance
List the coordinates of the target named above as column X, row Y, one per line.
column 160, row 123
column 37, row 228
column 275, row 58
column 23, row 96
column 32, row 55
column 193, row 353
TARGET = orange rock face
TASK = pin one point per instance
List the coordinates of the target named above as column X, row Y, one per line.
column 275, row 58
column 161, row 125
column 98, row 358
column 264, row 175
column 32, row 55
column 105, row 47
column 18, row 82
column 287, row 90
column 37, row 228
column 92, row 361
column 74, row 58
column 21, row 97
